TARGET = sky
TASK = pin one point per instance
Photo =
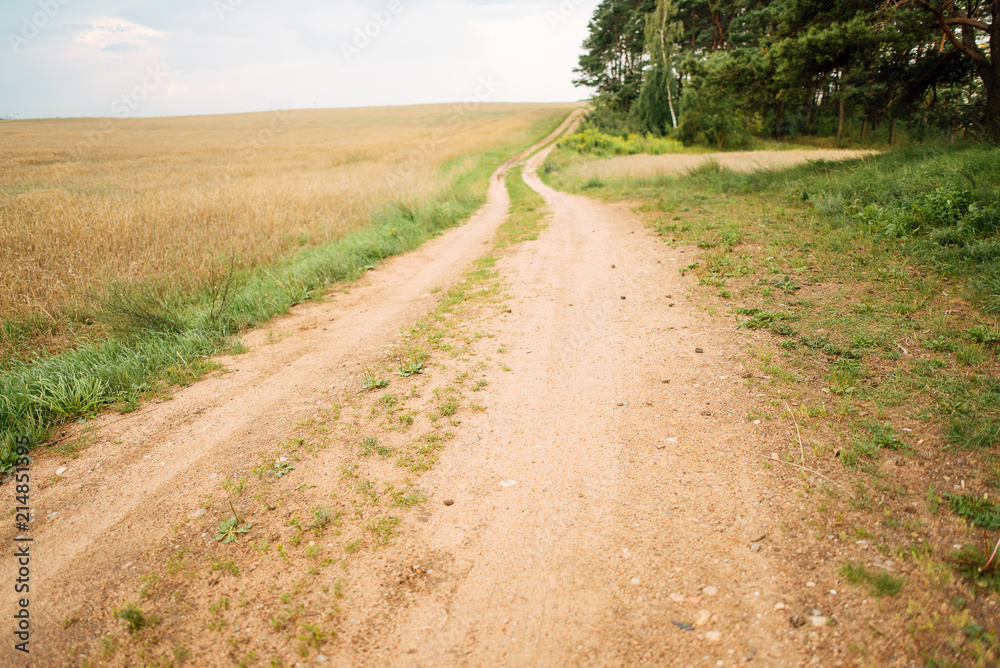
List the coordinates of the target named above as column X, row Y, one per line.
column 139, row 58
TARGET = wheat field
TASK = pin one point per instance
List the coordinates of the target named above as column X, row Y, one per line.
column 88, row 201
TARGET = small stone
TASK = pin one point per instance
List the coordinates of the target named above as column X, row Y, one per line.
column 810, row 584
column 779, row 606
column 198, row 513
column 127, row 564
column 677, row 598
column 449, row 502
column 755, row 547
column 818, row 620
column 623, row 296
column 321, row 658
column 698, row 350
column 52, row 514
column 713, row 636
column 634, row 581
column 702, row 618
column 612, row 266
column 60, row 470
column 796, row 621
column 508, row 483
column 710, row 591
column 672, row 439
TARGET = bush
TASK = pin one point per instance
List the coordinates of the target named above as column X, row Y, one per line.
column 594, row 142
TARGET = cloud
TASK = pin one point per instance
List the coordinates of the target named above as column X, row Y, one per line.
column 106, row 31
column 121, row 47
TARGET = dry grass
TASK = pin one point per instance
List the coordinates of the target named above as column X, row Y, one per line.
column 641, row 166
column 85, row 201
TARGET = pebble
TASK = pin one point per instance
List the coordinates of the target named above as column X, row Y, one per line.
column 702, row 618
column 508, row 483
column 698, row 350
column 710, row 591
column 818, row 620
column 677, row 598
column 713, row 636
column 321, row 658
column 634, row 581
column 810, row 584
column 52, row 514
column 755, row 547
column 449, row 502
column 198, row 513
column 779, row 606
column 60, row 470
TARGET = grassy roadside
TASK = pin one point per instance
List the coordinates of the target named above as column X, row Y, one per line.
column 868, row 296
column 317, row 545
column 154, row 341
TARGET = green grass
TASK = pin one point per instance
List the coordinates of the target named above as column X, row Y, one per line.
column 527, row 212
column 879, row 584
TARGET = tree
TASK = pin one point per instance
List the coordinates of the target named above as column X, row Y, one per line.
column 613, row 61
column 656, row 98
column 961, row 29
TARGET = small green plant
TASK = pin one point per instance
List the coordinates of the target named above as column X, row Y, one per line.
column 370, row 380
column 879, row 584
column 410, row 368
column 230, row 530
column 132, row 615
column 383, row 529
column 322, row 518
column 352, row 546
column 226, row 565
column 981, row 512
column 370, row 446
column 234, row 486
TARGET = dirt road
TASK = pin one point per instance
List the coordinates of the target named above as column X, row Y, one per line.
column 593, row 493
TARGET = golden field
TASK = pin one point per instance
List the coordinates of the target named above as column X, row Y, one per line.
column 85, row 201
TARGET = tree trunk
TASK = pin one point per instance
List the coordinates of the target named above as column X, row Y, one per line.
column 840, row 125
column 990, row 74
column 892, row 131
column 861, row 135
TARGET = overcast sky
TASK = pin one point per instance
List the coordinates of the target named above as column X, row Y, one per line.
column 65, row 58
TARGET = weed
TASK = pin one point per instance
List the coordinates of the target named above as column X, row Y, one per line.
column 383, row 529
column 132, row 615
column 981, row 512
column 370, row 379
column 409, row 368
column 226, row 565
column 370, row 445
column 230, row 530
column 879, row 584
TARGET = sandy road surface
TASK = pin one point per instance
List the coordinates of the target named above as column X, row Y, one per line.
column 604, row 502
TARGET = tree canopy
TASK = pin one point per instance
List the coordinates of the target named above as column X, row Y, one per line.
column 724, row 69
